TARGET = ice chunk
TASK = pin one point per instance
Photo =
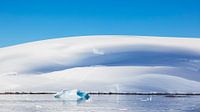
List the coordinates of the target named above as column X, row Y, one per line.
column 72, row 95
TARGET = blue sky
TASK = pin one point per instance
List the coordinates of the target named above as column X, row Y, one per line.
column 30, row 20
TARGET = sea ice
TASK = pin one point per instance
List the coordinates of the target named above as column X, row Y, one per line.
column 72, row 95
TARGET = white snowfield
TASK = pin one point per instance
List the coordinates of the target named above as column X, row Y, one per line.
column 103, row 63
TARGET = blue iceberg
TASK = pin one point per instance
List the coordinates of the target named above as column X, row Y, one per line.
column 72, row 95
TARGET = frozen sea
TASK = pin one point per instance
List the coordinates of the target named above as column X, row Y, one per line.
column 99, row 103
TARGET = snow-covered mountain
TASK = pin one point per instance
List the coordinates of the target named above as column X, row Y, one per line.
column 103, row 63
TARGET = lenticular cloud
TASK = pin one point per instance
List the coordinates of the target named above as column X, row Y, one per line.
column 103, row 64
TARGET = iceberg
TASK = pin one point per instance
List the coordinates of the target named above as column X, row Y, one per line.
column 72, row 95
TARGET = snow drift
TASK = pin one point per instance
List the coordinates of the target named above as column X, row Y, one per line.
column 103, row 63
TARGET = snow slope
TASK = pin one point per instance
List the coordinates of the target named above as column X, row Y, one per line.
column 103, row 63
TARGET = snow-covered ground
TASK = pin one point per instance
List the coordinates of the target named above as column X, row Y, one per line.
column 102, row 63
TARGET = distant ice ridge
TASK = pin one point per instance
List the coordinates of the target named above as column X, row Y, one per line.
column 103, row 64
